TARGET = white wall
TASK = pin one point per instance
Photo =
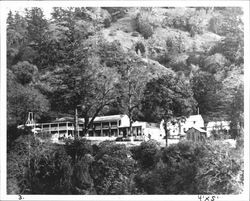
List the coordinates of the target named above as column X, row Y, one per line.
column 124, row 121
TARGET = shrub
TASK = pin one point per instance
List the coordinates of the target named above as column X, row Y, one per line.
column 226, row 21
column 78, row 148
column 14, row 133
column 147, row 154
column 220, row 170
column 175, row 44
column 143, row 26
column 214, row 24
column 140, row 46
column 12, row 186
column 113, row 169
column 231, row 47
column 107, row 22
column 82, row 182
column 116, row 12
column 21, row 150
column 49, row 172
column 188, row 168
column 192, row 21
column 25, row 72
column 181, row 167
column 214, row 63
column 174, row 173
column 37, row 168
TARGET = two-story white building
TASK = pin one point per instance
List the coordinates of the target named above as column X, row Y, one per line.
column 103, row 128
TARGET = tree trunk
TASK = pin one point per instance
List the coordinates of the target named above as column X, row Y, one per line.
column 130, row 127
column 166, row 131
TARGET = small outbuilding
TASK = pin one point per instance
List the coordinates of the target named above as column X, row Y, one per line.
column 196, row 134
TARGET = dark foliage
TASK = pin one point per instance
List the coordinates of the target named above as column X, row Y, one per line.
column 113, row 169
column 187, row 168
column 144, row 27
column 78, row 148
column 147, row 154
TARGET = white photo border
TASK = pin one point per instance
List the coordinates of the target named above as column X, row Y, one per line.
column 16, row 5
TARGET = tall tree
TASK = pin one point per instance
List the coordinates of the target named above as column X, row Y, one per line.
column 207, row 92
column 16, row 38
column 37, row 26
column 25, row 72
column 23, row 99
column 134, row 77
column 236, row 112
column 167, row 97
column 87, row 84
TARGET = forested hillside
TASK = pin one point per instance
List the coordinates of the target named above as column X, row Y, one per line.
column 148, row 63
column 105, row 59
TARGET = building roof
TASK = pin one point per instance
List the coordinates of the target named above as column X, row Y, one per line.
column 64, row 119
column 109, row 118
column 139, row 123
column 198, row 129
column 97, row 119
column 194, row 118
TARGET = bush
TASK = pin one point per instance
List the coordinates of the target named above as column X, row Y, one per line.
column 214, row 63
column 143, row 26
column 192, row 21
column 49, row 172
column 147, row 154
column 107, row 22
column 78, row 148
column 113, row 169
column 226, row 22
column 175, row 44
column 82, row 181
column 14, row 133
column 220, row 170
column 37, row 168
column 116, row 12
column 25, row 72
column 139, row 46
column 183, row 168
column 188, row 168
column 231, row 47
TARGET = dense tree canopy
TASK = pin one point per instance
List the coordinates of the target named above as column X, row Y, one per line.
column 167, row 96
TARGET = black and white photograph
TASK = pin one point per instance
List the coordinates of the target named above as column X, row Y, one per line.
column 124, row 100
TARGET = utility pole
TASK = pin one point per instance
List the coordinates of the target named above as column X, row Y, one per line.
column 76, row 127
